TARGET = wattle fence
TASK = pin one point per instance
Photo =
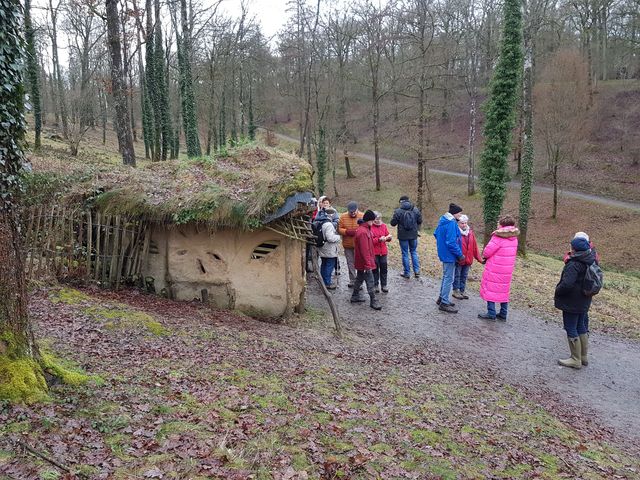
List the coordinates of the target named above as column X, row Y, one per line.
column 82, row 245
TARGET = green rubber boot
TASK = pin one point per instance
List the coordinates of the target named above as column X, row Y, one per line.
column 576, row 354
column 584, row 342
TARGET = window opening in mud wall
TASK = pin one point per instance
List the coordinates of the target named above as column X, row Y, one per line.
column 153, row 248
column 264, row 249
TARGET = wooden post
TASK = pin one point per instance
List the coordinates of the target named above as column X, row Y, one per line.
column 113, row 268
column 105, row 248
column 89, row 243
column 96, row 266
column 33, row 242
column 120, row 266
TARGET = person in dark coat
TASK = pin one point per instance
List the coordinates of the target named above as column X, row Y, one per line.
column 365, row 261
column 408, row 220
column 569, row 298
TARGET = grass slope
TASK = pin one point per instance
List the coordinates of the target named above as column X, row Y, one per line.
column 219, row 396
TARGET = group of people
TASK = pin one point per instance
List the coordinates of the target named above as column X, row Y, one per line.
column 365, row 236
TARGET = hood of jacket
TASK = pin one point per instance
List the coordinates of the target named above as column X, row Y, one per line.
column 587, row 257
column 321, row 216
column 446, row 218
column 406, row 205
column 507, row 232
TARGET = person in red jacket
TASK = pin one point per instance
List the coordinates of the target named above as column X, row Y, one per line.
column 364, row 261
column 470, row 251
column 381, row 237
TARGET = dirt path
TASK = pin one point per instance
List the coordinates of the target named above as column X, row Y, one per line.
column 523, row 351
column 514, row 184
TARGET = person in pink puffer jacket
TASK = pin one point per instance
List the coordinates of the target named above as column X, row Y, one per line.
column 500, row 259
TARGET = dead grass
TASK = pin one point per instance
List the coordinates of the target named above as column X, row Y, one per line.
column 234, row 188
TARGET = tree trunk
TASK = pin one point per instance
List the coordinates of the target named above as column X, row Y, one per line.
column 189, row 113
column 21, row 376
column 347, row 163
column 376, row 116
column 471, row 178
column 555, row 184
column 526, row 179
column 32, row 69
column 122, row 121
column 56, row 66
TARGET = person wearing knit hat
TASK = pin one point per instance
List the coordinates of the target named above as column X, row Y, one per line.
column 365, row 261
column 408, row 219
column 581, row 235
column 347, row 227
column 453, row 209
column 570, row 297
column 470, row 251
column 449, row 245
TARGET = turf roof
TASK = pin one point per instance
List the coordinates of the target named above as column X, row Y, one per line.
column 235, row 190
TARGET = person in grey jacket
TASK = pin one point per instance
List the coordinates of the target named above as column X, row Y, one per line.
column 328, row 252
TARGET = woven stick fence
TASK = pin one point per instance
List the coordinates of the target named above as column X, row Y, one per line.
column 83, row 245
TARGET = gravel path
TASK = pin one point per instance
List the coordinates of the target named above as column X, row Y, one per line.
column 523, row 351
column 514, row 184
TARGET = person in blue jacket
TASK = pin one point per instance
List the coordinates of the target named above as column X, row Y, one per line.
column 449, row 243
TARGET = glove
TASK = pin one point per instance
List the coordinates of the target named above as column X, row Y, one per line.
column 351, row 232
column 461, row 259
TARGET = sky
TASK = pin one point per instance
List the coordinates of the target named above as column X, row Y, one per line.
column 271, row 14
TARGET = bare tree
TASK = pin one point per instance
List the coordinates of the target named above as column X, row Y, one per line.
column 118, row 85
column 562, row 99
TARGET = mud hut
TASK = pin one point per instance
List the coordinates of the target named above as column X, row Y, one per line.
column 226, row 230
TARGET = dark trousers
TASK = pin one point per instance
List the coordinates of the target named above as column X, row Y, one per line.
column 364, row 276
column 380, row 273
column 575, row 323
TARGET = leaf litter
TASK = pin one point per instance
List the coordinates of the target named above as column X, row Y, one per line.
column 220, row 395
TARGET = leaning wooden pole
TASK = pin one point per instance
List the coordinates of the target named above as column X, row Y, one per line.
column 332, row 306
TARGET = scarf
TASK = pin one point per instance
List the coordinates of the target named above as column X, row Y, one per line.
column 466, row 231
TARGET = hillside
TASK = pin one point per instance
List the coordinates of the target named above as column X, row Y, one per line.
column 607, row 164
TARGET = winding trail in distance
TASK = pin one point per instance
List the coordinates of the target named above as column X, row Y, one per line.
column 514, row 184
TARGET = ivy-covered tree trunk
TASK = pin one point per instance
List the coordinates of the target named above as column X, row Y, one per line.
column 500, row 117
column 150, row 118
column 32, row 62
column 321, row 160
column 21, row 377
column 189, row 113
column 526, row 167
column 122, row 121
column 160, row 98
column 252, row 123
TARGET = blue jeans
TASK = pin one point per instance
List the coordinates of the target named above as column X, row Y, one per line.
column 410, row 246
column 575, row 323
column 326, row 269
column 460, row 278
column 448, row 272
column 491, row 309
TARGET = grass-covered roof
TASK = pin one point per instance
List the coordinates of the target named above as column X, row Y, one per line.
column 235, row 189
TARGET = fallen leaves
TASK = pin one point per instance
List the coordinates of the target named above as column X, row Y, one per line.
column 228, row 397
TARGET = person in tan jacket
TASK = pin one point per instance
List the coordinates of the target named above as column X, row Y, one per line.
column 347, row 226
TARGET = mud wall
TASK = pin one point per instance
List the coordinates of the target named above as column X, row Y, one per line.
column 247, row 271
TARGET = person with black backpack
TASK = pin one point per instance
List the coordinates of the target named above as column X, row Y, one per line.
column 581, row 279
column 327, row 241
column 408, row 220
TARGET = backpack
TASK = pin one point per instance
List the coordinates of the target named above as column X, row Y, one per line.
column 409, row 221
column 316, row 229
column 593, row 279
